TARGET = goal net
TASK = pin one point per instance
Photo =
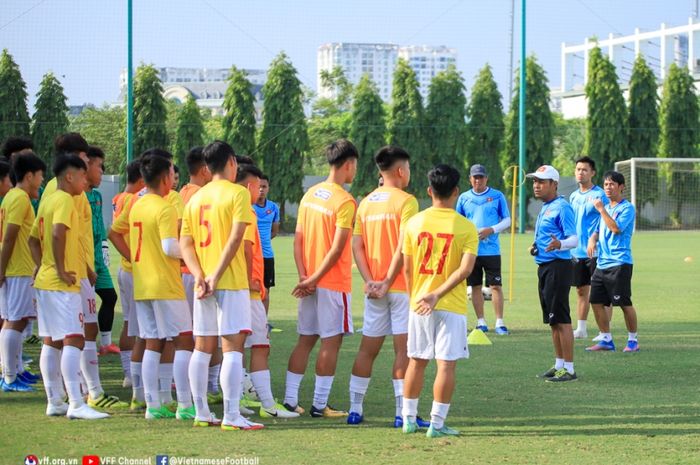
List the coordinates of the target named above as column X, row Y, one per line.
column 665, row 191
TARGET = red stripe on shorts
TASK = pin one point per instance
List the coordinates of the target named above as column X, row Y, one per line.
column 346, row 326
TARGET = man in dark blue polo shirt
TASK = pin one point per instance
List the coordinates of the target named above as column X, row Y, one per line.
column 268, row 213
column 555, row 236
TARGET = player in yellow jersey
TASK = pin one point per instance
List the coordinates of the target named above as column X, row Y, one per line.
column 258, row 341
column 439, row 249
column 381, row 217
column 17, row 301
column 213, row 227
column 130, row 344
column 161, row 306
column 322, row 253
column 54, row 244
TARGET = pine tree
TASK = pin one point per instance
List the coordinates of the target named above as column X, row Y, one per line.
column 105, row 127
column 445, row 117
column 239, row 120
column 406, row 125
column 485, row 129
column 367, row 130
column 283, row 138
column 14, row 117
column 606, row 133
column 190, row 132
column 643, row 125
column 539, row 123
column 149, row 111
column 50, row 116
column 679, row 134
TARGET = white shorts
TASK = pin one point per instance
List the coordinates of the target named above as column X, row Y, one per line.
column 17, row 299
column 188, row 284
column 325, row 313
column 441, row 335
column 386, row 316
column 126, row 294
column 222, row 314
column 88, row 299
column 162, row 319
column 60, row 314
column 259, row 337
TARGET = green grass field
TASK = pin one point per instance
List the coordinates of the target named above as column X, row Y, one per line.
column 626, row 408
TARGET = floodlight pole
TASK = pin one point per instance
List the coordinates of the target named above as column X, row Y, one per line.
column 129, row 86
column 521, row 125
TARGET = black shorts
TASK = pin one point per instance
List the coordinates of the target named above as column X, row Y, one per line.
column 612, row 286
column 269, row 275
column 554, row 283
column 583, row 270
column 489, row 265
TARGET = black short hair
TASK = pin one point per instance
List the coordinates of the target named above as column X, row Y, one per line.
column 153, row 168
column 265, row 177
column 340, row 151
column 244, row 160
column 217, row 154
column 157, row 152
column 614, row 176
column 4, row 169
column 388, row 155
column 66, row 160
column 95, row 152
column 70, row 142
column 27, row 162
column 247, row 169
column 133, row 171
column 194, row 160
column 443, row 180
column 176, row 169
column 586, row 159
column 16, row 144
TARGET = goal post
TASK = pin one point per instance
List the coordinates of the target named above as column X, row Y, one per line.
column 665, row 191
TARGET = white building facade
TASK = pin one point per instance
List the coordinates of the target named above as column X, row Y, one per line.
column 428, row 61
column 660, row 48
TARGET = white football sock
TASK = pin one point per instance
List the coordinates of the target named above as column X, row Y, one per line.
column 91, row 370
column 198, row 368
column 358, row 389
column 581, row 325
column 398, row 395
column 181, row 365
column 322, row 390
column 105, row 338
column 231, row 374
column 28, row 330
column 438, row 414
column 150, row 375
column 10, row 345
column 70, row 368
column 261, row 383
column 481, row 322
column 291, row 392
column 125, row 358
column 499, row 323
column 244, row 375
column 137, row 391
column 49, row 365
column 165, row 382
column 607, row 337
column 569, row 366
column 631, row 336
column 558, row 363
column 213, row 384
column 410, row 409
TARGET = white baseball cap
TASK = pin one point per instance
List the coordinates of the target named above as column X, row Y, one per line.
column 545, row 172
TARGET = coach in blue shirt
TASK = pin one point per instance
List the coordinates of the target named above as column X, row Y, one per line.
column 488, row 210
column 611, row 283
column 587, row 222
column 555, row 236
column 268, row 214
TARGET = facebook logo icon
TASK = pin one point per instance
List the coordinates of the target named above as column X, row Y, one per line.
column 162, row 460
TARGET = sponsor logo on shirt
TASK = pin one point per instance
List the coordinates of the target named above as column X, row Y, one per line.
column 378, row 197
column 322, row 194
column 489, row 199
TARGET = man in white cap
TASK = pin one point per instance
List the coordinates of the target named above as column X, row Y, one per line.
column 555, row 236
column 488, row 210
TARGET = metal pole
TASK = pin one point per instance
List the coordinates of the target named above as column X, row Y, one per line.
column 521, row 137
column 510, row 53
column 511, row 270
column 129, row 86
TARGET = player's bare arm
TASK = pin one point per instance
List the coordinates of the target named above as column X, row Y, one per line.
column 120, row 244
column 234, row 241
column 342, row 235
column 427, row 303
column 58, row 238
column 8, row 244
column 605, row 216
column 360, row 254
column 397, row 261
column 190, row 258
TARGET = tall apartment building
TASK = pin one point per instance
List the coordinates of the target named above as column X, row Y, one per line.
column 427, row 62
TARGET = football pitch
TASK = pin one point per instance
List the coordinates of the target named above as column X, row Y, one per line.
column 638, row 408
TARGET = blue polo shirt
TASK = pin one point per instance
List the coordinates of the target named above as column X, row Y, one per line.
column 616, row 249
column 556, row 218
column 267, row 215
column 587, row 217
column 484, row 210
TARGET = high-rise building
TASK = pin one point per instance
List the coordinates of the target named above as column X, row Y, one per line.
column 427, row 61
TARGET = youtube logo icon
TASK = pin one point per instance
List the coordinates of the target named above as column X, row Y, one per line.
column 91, row 460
